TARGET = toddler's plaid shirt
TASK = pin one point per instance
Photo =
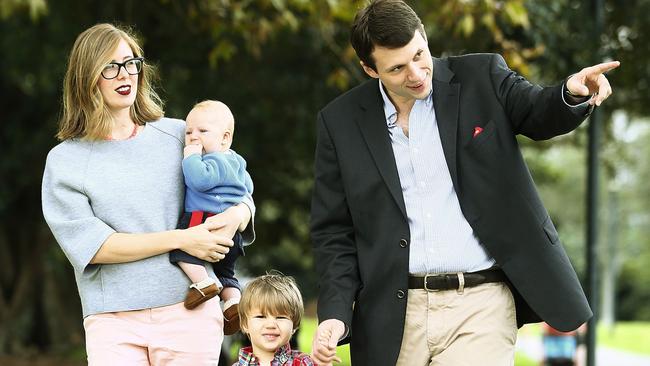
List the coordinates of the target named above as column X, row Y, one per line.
column 284, row 356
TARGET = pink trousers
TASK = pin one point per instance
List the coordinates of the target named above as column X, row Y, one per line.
column 168, row 335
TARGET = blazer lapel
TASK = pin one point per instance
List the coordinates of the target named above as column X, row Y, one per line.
column 372, row 123
column 445, row 102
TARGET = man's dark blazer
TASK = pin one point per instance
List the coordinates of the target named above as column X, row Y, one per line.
column 359, row 226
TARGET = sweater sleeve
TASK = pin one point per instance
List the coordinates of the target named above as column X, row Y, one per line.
column 248, row 181
column 67, row 209
column 248, row 235
column 249, row 232
column 203, row 173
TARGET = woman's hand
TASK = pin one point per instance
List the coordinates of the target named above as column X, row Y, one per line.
column 233, row 219
column 206, row 242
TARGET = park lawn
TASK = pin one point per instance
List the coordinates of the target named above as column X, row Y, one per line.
column 522, row 360
column 308, row 327
column 632, row 337
column 626, row 336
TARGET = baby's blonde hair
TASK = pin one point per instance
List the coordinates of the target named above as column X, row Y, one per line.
column 274, row 294
column 218, row 107
column 85, row 113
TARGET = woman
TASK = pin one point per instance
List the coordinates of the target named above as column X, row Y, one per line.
column 112, row 195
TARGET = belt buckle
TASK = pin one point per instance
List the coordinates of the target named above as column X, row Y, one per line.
column 426, row 276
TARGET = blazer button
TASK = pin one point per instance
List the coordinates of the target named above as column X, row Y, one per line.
column 403, row 243
column 400, row 294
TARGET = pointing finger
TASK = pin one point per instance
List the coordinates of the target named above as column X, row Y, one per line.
column 602, row 67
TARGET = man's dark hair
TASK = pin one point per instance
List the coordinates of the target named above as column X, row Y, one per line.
column 383, row 23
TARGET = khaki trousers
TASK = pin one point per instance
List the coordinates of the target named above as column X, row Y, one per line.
column 168, row 335
column 477, row 327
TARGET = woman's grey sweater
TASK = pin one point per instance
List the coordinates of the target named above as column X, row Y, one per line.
column 92, row 189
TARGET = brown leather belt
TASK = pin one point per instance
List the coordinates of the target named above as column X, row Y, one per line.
column 456, row 281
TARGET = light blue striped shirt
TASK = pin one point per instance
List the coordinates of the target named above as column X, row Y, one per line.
column 441, row 238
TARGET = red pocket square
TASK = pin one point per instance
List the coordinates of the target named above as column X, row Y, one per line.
column 477, row 131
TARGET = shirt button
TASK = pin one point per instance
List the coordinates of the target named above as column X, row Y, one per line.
column 403, row 243
column 400, row 294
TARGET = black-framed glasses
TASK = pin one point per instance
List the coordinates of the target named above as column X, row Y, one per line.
column 132, row 66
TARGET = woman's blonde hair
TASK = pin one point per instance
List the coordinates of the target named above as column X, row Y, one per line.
column 274, row 294
column 85, row 114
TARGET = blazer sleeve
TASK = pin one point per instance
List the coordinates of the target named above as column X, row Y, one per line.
column 537, row 112
column 332, row 233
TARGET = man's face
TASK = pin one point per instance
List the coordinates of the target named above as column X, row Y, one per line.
column 405, row 72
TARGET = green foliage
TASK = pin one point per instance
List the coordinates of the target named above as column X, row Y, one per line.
column 36, row 8
column 632, row 183
column 457, row 27
column 567, row 32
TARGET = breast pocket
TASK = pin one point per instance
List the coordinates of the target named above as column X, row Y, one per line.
column 479, row 139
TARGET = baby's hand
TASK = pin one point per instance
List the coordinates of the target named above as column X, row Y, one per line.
column 192, row 149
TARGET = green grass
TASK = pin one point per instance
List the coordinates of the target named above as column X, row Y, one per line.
column 522, row 360
column 633, row 337
column 627, row 336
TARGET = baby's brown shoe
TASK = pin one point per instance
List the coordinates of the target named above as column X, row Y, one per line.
column 201, row 292
column 231, row 318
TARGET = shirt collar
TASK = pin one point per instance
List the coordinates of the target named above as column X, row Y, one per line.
column 389, row 108
column 283, row 354
column 247, row 358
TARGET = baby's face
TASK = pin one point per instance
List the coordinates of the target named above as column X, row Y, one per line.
column 203, row 127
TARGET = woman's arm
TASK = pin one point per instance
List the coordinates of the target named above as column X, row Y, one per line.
column 197, row 241
column 86, row 239
column 209, row 241
column 235, row 218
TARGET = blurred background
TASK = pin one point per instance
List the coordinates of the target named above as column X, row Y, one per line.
column 276, row 63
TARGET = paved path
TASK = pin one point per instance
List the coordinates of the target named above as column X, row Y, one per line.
column 532, row 347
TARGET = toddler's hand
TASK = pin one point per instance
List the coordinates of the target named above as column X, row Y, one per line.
column 192, row 149
column 324, row 337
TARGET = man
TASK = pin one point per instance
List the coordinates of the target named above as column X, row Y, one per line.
column 430, row 240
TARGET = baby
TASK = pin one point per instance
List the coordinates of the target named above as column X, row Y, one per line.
column 215, row 179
